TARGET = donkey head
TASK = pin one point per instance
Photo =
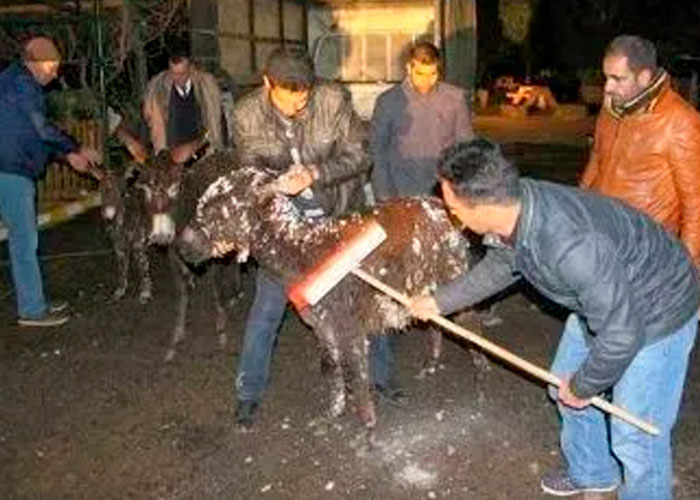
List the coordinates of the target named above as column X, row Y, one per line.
column 228, row 216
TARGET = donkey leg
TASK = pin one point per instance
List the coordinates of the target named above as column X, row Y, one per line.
column 358, row 366
column 121, row 255
column 216, row 275
column 332, row 369
column 144, row 266
column 237, row 291
column 433, row 348
column 183, row 282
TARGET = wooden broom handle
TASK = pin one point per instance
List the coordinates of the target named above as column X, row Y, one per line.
column 504, row 354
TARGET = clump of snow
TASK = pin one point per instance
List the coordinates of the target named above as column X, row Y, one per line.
column 414, row 476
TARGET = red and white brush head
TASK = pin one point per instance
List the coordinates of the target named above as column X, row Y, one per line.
column 328, row 272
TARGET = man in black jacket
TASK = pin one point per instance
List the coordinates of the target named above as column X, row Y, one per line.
column 633, row 292
column 307, row 133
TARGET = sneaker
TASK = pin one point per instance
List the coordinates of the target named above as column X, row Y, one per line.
column 58, row 307
column 392, row 395
column 244, row 413
column 560, row 484
column 48, row 319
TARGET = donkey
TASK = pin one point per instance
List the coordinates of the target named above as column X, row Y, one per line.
column 243, row 212
column 170, row 184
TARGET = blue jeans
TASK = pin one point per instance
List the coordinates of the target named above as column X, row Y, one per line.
column 18, row 212
column 650, row 388
column 261, row 329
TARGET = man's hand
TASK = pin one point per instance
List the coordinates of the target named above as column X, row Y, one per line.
column 295, row 180
column 83, row 158
column 219, row 248
column 568, row 398
column 423, row 306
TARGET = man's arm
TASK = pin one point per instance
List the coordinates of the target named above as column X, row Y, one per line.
column 493, row 273
column 380, row 143
column 349, row 157
column 463, row 124
column 245, row 137
column 591, row 171
column 685, row 168
column 590, row 266
column 31, row 103
column 153, row 116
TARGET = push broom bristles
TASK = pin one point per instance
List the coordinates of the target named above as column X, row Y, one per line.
column 329, row 271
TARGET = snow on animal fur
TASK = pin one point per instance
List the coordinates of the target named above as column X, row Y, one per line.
column 243, row 212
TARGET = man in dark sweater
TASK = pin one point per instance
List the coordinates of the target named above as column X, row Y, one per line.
column 633, row 292
column 181, row 103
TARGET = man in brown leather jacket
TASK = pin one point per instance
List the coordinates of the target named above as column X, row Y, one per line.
column 647, row 142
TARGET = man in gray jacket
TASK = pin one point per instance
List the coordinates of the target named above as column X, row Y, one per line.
column 633, row 292
column 412, row 123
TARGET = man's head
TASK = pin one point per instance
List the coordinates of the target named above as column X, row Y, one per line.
column 423, row 66
column 179, row 65
column 42, row 59
column 289, row 76
column 480, row 187
column 629, row 66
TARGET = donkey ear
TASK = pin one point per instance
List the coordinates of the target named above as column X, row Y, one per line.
column 137, row 150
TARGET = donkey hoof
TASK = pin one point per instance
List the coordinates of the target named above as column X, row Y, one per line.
column 222, row 340
column 170, row 355
column 429, row 367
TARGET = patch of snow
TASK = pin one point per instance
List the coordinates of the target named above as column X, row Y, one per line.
column 414, row 476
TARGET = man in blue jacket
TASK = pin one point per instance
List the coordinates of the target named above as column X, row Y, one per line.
column 633, row 293
column 27, row 141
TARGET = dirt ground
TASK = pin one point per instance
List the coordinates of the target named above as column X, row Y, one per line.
column 90, row 411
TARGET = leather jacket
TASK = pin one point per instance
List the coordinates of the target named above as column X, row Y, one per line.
column 328, row 134
column 651, row 160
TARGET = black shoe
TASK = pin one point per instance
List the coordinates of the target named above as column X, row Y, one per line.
column 244, row 413
column 392, row 395
column 560, row 484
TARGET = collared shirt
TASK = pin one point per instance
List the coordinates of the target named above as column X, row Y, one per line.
column 184, row 91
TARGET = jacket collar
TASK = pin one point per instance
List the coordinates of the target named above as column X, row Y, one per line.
column 645, row 100
column 526, row 219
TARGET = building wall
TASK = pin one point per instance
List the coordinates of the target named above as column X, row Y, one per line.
column 241, row 33
column 364, row 41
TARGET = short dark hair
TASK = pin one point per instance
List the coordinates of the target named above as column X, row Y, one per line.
column 478, row 171
column 640, row 52
column 179, row 51
column 424, row 53
column 290, row 67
